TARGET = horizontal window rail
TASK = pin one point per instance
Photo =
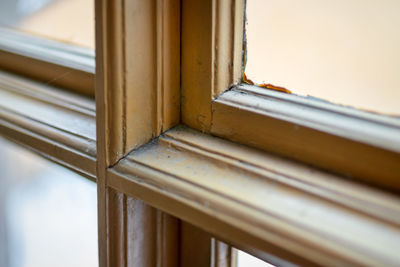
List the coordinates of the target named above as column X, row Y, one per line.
column 344, row 140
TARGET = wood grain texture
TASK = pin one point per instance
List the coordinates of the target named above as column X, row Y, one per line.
column 59, row 125
column 291, row 211
column 359, row 145
column 212, row 33
column 48, row 61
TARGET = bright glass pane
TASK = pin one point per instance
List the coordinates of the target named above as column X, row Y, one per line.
column 48, row 214
column 70, row 21
column 246, row 260
column 344, row 51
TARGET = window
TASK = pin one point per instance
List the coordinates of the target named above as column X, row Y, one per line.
column 190, row 163
column 344, row 51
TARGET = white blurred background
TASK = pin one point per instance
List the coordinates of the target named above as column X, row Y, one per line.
column 344, row 51
column 48, row 214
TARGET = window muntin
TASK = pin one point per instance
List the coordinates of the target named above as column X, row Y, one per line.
column 342, row 51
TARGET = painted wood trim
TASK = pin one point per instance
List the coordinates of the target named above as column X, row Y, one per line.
column 56, row 124
column 291, row 211
column 137, row 98
column 139, row 71
column 212, row 34
column 48, row 61
column 357, row 144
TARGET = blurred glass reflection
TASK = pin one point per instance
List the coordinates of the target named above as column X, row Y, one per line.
column 48, row 214
column 344, row 51
column 70, row 21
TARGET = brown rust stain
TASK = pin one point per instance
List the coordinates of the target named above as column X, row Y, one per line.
column 266, row 85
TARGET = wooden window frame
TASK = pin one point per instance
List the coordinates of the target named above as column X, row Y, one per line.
column 168, row 77
column 189, row 175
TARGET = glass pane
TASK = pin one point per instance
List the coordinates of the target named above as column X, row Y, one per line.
column 344, row 51
column 246, row 260
column 70, row 21
column 48, row 214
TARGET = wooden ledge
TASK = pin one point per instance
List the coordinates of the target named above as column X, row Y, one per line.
column 57, row 124
column 278, row 207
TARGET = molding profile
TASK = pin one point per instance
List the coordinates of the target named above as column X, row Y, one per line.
column 292, row 211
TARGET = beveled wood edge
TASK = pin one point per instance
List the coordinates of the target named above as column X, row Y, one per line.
column 48, row 61
column 212, row 35
column 68, row 148
column 223, row 214
column 343, row 140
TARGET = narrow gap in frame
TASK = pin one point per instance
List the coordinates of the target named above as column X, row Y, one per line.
column 124, row 88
